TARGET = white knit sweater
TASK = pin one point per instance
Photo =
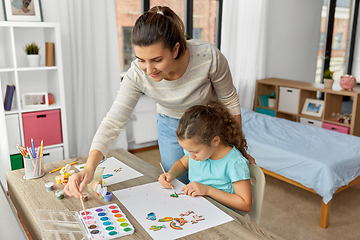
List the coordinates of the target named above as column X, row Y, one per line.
column 206, row 77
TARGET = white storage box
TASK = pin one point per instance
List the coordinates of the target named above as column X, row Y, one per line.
column 53, row 154
column 289, row 100
column 311, row 122
column 13, row 131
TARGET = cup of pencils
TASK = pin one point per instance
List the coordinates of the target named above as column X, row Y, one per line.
column 34, row 167
column 33, row 160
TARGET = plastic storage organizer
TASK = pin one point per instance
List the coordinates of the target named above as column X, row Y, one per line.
column 104, row 222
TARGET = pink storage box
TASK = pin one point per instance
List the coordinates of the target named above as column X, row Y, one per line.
column 336, row 128
column 43, row 125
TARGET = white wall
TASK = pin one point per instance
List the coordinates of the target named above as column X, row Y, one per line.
column 293, row 39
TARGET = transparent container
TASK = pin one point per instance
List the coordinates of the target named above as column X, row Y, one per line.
column 98, row 176
column 34, row 168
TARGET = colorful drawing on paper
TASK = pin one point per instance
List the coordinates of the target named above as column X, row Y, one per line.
column 165, row 219
column 151, row 216
column 123, row 172
column 144, row 199
column 156, row 228
column 173, row 226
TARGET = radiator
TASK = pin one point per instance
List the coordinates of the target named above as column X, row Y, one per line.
column 144, row 127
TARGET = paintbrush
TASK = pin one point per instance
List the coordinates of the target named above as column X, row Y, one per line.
column 166, row 176
column 82, row 203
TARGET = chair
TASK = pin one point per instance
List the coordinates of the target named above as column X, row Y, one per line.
column 257, row 181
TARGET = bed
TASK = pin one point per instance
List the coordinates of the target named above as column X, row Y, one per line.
column 318, row 160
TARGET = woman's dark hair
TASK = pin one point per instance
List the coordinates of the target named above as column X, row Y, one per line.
column 160, row 24
column 205, row 122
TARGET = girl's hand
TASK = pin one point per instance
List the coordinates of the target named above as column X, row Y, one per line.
column 165, row 180
column 196, row 189
column 77, row 183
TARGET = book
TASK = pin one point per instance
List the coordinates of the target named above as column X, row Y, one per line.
column 10, row 89
column 49, row 54
column 263, row 100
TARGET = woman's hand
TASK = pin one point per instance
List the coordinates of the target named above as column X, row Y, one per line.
column 165, row 180
column 77, row 183
column 196, row 189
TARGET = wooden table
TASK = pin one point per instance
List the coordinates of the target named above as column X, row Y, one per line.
column 30, row 195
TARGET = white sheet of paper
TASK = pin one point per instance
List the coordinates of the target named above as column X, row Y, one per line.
column 112, row 163
column 152, row 197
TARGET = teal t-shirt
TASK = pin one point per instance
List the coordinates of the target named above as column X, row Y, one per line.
column 220, row 173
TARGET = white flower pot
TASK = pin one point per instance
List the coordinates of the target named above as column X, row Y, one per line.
column 271, row 102
column 328, row 82
column 33, row 60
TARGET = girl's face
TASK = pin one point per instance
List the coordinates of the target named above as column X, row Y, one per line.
column 156, row 60
column 198, row 151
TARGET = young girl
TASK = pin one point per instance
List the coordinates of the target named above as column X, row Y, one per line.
column 214, row 148
column 176, row 73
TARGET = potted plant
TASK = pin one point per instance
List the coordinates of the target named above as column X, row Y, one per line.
column 328, row 78
column 32, row 52
column 272, row 100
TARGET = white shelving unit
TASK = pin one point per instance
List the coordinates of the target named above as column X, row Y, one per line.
column 14, row 70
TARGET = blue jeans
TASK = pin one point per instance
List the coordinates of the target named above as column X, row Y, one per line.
column 170, row 150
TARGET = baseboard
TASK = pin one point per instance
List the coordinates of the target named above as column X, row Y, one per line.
column 144, row 149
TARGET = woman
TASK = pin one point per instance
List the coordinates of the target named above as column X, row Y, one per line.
column 177, row 74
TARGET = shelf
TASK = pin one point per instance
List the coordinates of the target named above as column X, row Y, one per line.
column 41, row 68
column 28, row 24
column 335, row 121
column 288, row 113
column 269, row 108
column 37, row 109
column 333, row 102
column 310, row 117
column 14, row 70
column 12, row 111
column 7, row 69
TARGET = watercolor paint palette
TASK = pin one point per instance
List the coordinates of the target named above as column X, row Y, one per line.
column 106, row 222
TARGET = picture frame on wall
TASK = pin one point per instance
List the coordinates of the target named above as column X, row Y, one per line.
column 22, row 10
column 313, row 107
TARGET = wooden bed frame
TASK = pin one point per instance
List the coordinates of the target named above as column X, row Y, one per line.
column 325, row 208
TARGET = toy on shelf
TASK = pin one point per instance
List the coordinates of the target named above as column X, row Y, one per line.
column 342, row 118
column 347, row 82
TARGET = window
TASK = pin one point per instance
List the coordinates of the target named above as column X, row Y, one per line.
column 128, row 50
column 335, row 47
column 126, row 14
column 337, row 41
column 201, row 18
column 204, row 19
column 197, row 33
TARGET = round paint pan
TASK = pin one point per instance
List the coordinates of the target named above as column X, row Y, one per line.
column 94, row 232
column 110, row 228
column 102, row 214
column 87, row 212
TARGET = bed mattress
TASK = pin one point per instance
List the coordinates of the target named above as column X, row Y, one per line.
column 317, row 158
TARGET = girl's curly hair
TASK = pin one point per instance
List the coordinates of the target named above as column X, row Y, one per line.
column 206, row 122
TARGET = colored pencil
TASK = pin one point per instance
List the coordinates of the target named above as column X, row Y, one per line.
column 29, row 153
column 32, row 144
column 41, row 154
column 57, row 169
column 166, row 176
column 36, row 168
